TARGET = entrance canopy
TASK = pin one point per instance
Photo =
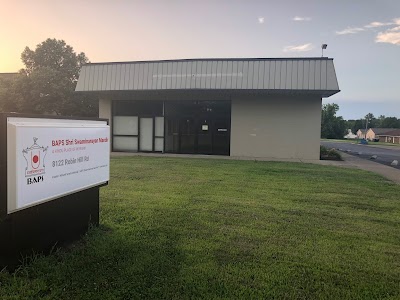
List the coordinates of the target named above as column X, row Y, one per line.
column 267, row 75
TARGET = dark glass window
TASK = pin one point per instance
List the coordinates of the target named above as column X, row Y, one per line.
column 197, row 108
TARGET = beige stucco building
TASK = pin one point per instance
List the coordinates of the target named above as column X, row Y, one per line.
column 259, row 108
column 361, row 133
column 374, row 133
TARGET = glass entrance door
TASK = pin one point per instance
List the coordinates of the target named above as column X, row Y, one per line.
column 201, row 127
column 204, row 136
column 187, row 128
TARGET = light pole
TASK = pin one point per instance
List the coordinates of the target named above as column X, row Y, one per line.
column 323, row 46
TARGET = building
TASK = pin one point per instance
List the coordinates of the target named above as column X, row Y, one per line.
column 350, row 135
column 373, row 133
column 260, row 108
column 390, row 137
column 361, row 133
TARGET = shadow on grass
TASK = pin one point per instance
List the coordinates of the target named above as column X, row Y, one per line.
column 108, row 263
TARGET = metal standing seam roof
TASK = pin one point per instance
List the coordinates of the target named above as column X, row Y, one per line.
column 316, row 75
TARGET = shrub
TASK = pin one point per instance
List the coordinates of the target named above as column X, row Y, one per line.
column 329, row 154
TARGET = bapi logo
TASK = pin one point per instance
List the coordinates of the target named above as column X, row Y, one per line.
column 34, row 157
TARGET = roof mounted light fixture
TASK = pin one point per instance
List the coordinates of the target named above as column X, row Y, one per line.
column 323, row 46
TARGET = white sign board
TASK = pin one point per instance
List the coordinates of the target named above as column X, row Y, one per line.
column 51, row 158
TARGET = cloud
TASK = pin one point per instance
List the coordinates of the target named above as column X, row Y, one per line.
column 390, row 36
column 299, row 48
column 301, row 18
column 260, row 20
column 394, row 29
column 377, row 24
column 350, row 30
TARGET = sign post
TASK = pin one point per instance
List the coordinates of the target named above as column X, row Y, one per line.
column 51, row 170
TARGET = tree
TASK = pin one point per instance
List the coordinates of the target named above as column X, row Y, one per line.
column 350, row 124
column 47, row 83
column 332, row 127
column 5, row 93
column 358, row 124
column 371, row 121
column 390, row 122
column 380, row 120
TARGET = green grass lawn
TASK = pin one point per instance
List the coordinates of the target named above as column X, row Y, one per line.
column 340, row 141
column 174, row 228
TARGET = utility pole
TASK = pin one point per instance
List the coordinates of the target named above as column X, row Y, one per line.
column 366, row 126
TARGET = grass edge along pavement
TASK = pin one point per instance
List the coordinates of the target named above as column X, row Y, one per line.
column 219, row 229
column 357, row 141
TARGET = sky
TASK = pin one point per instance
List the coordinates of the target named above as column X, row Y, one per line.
column 363, row 37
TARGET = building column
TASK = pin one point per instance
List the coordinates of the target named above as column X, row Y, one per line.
column 105, row 112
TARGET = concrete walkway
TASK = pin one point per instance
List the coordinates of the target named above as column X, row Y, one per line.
column 348, row 162
column 368, row 165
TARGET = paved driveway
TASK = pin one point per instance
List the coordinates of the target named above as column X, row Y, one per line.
column 385, row 155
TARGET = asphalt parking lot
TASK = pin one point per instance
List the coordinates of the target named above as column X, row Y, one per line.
column 385, row 155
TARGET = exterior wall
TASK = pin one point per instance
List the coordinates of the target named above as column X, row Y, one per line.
column 389, row 139
column 276, row 127
column 382, row 138
column 360, row 134
column 370, row 135
column 105, row 111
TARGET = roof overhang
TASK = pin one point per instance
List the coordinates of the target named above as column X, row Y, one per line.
column 205, row 94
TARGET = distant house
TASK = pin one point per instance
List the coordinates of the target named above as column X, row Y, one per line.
column 372, row 133
column 390, row 137
column 361, row 133
column 350, row 135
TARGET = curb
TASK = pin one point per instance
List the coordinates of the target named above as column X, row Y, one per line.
column 367, row 165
